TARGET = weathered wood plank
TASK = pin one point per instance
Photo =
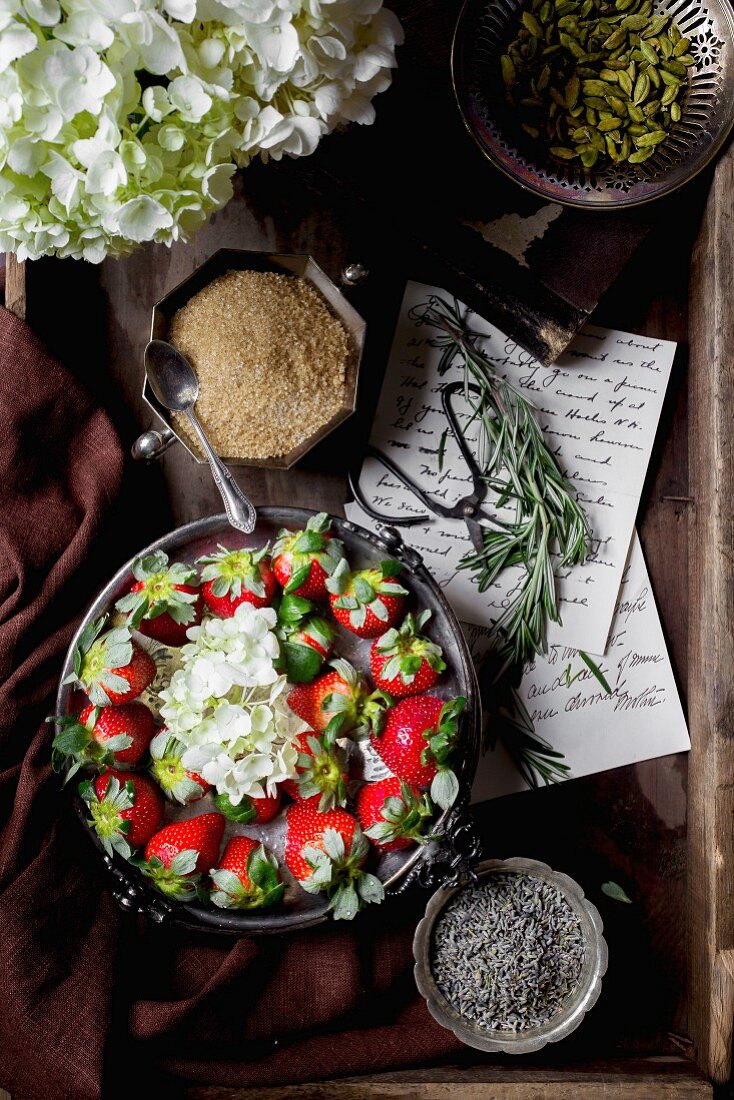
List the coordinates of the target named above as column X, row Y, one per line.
column 15, row 286
column 711, row 635
column 668, row 1079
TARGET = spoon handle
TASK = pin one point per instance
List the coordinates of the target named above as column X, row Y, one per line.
column 240, row 512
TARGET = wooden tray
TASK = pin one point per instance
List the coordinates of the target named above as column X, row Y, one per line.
column 667, row 1005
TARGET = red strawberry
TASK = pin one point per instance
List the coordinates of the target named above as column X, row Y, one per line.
column 419, row 735
column 321, row 772
column 405, row 662
column 110, row 666
column 177, row 856
column 164, row 601
column 303, row 559
column 250, row 811
column 102, row 736
column 247, row 876
column 366, row 601
column 232, row 577
column 325, row 852
column 339, row 702
column 316, row 633
column 125, row 809
column 307, row 640
column 392, row 813
column 177, row 782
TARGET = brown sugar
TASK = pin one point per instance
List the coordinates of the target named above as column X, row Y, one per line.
column 271, row 360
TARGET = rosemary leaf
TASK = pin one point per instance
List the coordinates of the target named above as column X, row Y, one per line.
column 597, row 672
column 522, row 471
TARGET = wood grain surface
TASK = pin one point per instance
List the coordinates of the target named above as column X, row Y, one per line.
column 15, row 286
column 667, row 1079
column 628, row 825
column 711, row 635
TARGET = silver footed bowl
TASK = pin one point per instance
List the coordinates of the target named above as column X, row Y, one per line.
column 441, row 860
column 483, row 29
column 571, row 1014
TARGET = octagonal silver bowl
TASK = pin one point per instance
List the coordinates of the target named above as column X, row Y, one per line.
column 153, row 443
column 575, row 1008
column 445, row 859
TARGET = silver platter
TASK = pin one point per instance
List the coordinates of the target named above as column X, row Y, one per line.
column 429, row 864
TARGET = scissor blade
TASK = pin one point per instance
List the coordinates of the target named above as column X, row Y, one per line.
column 476, row 534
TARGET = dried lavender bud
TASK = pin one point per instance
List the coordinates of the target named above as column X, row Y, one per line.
column 507, row 953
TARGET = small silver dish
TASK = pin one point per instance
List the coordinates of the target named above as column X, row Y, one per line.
column 153, row 443
column 482, row 31
column 578, row 1004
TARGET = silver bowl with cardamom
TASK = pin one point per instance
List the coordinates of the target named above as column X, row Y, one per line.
column 702, row 122
column 574, row 1006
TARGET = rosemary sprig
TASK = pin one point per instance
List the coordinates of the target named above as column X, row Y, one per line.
column 536, row 760
column 520, row 468
column 506, row 719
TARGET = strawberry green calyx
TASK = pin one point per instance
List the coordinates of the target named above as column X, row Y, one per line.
column 96, row 658
column 231, row 571
column 405, row 650
column 322, row 772
column 75, row 746
column 440, row 742
column 403, row 816
column 299, row 616
column 292, row 610
column 180, row 879
column 105, row 814
column 339, row 874
column 358, row 713
column 244, row 812
column 306, row 648
column 360, row 591
column 167, row 768
column 157, row 592
column 265, row 887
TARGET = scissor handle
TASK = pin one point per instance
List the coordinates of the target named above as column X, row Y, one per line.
column 447, row 393
column 405, row 479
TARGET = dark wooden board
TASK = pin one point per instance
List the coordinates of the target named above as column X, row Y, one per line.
column 662, row 994
column 666, row 1078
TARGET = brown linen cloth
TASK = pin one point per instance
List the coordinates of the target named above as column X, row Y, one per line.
column 93, row 1001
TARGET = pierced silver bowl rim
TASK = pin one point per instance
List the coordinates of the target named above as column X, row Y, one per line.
column 574, row 200
column 559, row 1026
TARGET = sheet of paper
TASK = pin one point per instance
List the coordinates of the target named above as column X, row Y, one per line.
column 599, row 407
column 641, row 719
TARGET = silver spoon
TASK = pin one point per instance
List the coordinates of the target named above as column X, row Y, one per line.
column 174, row 382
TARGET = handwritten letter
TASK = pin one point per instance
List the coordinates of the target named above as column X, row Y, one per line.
column 598, row 406
column 640, row 720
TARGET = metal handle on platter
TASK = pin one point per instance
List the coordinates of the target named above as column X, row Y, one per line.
column 240, row 512
column 152, row 444
column 449, row 860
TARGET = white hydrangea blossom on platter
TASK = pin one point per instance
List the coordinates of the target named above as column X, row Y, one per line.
column 122, row 121
column 227, row 704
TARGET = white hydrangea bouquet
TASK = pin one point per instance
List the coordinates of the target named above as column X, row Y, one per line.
column 227, row 706
column 121, row 121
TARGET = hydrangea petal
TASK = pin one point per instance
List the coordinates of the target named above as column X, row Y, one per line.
column 15, row 41
column 141, row 218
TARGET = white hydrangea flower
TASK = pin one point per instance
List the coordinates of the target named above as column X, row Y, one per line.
column 121, row 121
column 228, row 705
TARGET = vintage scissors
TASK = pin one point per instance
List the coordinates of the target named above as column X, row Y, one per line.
column 467, row 508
